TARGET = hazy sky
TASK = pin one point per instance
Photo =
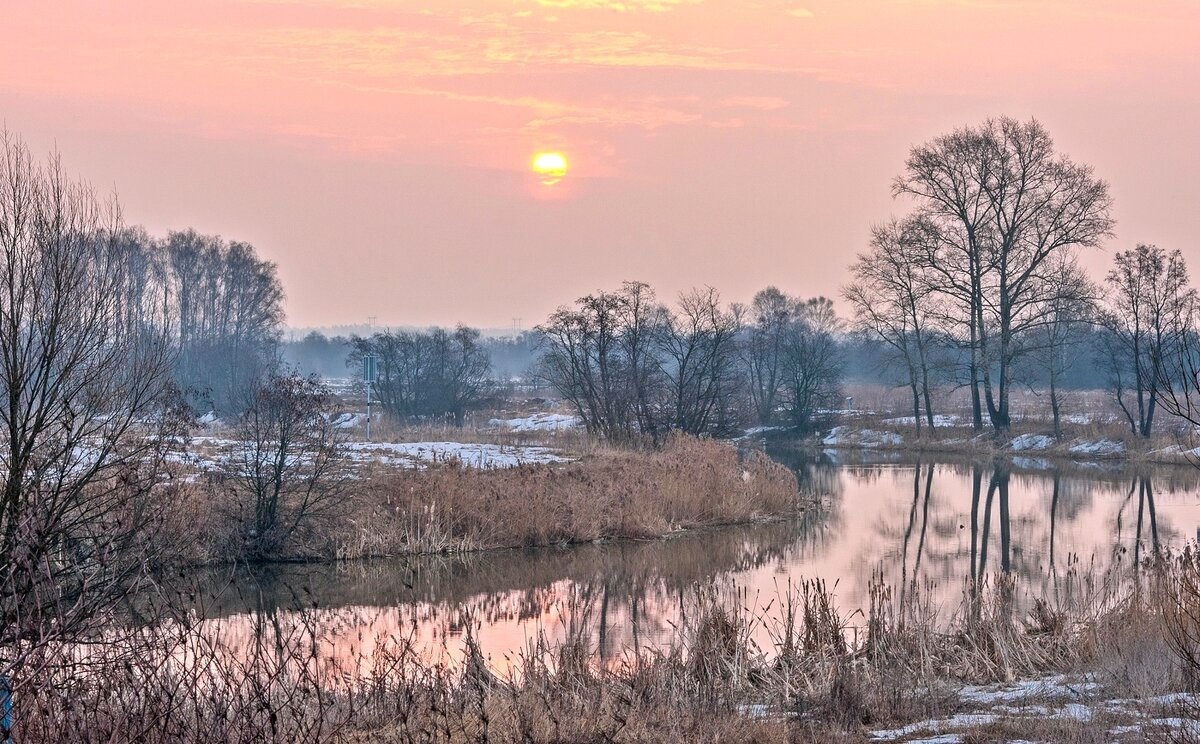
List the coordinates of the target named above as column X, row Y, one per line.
column 379, row 150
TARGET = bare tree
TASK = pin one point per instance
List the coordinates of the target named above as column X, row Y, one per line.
column 289, row 465
column 771, row 315
column 599, row 355
column 812, row 363
column 228, row 308
column 1004, row 203
column 461, row 371
column 421, row 375
column 84, row 368
column 1066, row 315
column 699, row 361
column 402, row 362
column 640, row 318
column 895, row 302
column 1149, row 324
column 631, row 367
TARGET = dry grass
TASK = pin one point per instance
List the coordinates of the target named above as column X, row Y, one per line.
column 477, row 430
column 610, row 493
column 814, row 681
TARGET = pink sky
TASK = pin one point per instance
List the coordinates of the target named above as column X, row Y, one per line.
column 378, row 150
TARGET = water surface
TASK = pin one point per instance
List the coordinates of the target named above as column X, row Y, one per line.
column 941, row 525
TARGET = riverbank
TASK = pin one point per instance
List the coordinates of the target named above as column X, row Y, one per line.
column 450, row 507
column 1084, row 443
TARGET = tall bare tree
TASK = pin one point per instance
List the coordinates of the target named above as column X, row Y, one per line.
column 1149, row 323
column 698, row 354
column 895, row 302
column 84, row 375
column 812, row 363
column 1004, row 203
column 1065, row 318
column 289, row 465
column 228, row 307
column 600, row 356
column 770, row 316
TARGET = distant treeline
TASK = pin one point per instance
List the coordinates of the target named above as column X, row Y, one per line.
column 514, row 358
column 511, row 358
column 977, row 288
column 223, row 306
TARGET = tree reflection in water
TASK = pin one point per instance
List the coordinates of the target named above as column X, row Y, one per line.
column 937, row 525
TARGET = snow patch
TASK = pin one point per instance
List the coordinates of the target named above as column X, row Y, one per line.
column 1101, row 447
column 350, row 420
column 1031, row 442
column 483, row 456
column 1047, row 687
column 537, row 422
column 939, row 420
column 755, row 431
column 960, row 721
column 842, row 436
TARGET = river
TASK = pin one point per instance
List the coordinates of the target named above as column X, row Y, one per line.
column 936, row 526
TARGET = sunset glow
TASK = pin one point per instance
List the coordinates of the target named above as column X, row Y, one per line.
column 319, row 128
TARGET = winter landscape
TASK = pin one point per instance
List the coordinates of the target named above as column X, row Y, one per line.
column 589, row 371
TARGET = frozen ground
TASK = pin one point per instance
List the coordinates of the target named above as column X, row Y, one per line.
column 758, row 431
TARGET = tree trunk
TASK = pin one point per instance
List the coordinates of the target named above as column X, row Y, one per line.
column 916, row 400
column 1054, row 408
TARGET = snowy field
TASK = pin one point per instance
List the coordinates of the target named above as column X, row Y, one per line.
column 208, row 454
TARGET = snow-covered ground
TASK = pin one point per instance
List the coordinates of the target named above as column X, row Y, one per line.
column 758, row 431
column 473, row 455
column 1031, row 442
column 1098, row 448
column 206, row 454
column 939, row 420
column 1056, row 698
column 537, row 422
column 844, row 436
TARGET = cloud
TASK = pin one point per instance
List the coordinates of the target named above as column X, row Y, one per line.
column 801, row 13
column 763, row 103
column 649, row 6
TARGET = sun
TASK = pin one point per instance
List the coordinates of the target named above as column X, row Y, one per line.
column 550, row 167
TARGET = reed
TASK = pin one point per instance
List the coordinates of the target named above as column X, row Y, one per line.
column 822, row 676
column 608, row 494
